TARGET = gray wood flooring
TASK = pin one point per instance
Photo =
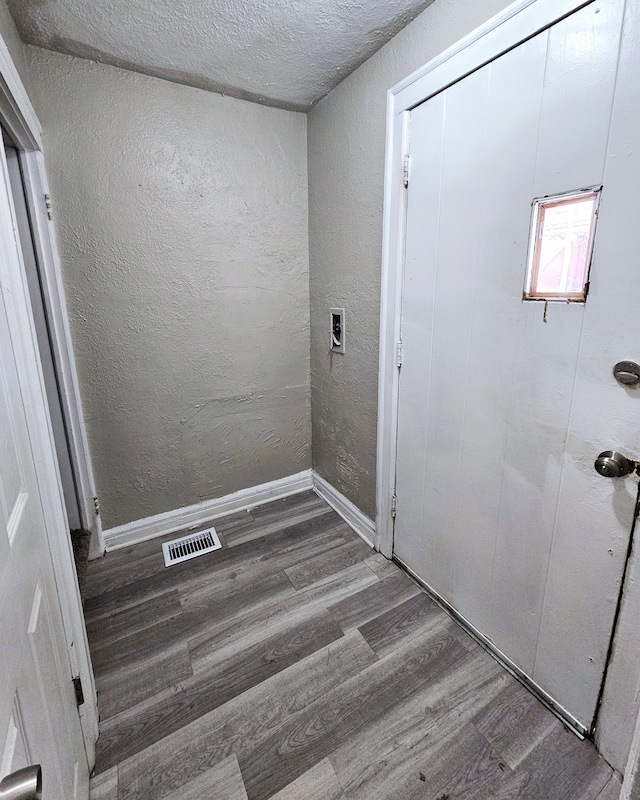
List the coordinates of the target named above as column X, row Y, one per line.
column 296, row 664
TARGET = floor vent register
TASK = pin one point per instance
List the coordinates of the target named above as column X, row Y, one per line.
column 186, row 547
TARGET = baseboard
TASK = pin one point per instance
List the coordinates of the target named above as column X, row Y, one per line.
column 361, row 524
column 199, row 514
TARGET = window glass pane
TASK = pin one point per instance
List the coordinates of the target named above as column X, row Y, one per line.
column 560, row 251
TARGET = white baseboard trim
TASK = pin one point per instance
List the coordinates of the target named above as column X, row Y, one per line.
column 199, row 514
column 361, row 524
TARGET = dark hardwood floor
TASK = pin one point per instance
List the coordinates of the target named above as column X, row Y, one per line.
column 297, row 664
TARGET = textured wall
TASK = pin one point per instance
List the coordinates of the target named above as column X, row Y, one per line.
column 181, row 217
column 11, row 38
column 346, row 163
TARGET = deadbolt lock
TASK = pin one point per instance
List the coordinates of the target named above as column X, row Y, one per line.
column 611, row 464
column 627, row 373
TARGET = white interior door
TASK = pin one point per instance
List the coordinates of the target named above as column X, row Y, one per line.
column 503, row 408
column 39, row 720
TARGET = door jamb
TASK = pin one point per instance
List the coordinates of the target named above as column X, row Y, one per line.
column 20, row 119
column 515, row 24
column 36, row 187
column 18, row 116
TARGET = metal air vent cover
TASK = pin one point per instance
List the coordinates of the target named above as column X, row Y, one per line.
column 186, row 547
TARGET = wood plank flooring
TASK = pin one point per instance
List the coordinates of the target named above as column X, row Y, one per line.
column 296, row 664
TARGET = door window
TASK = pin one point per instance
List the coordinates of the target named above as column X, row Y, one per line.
column 560, row 246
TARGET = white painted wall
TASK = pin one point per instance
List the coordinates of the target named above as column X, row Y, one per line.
column 346, row 163
column 181, row 218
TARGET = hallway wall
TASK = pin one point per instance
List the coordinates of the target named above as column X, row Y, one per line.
column 181, row 218
column 346, row 140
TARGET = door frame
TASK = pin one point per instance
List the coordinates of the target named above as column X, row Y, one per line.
column 19, row 118
column 515, row 24
column 512, row 26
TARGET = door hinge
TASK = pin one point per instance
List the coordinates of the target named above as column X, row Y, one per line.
column 96, row 506
column 77, row 685
column 399, row 354
column 405, row 171
column 47, row 205
column 394, row 503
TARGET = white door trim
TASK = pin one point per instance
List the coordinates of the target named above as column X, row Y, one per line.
column 20, row 119
column 18, row 116
column 36, row 187
column 518, row 22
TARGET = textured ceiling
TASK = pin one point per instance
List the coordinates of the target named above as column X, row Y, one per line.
column 286, row 53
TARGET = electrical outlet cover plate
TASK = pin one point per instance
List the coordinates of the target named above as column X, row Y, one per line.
column 336, row 329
